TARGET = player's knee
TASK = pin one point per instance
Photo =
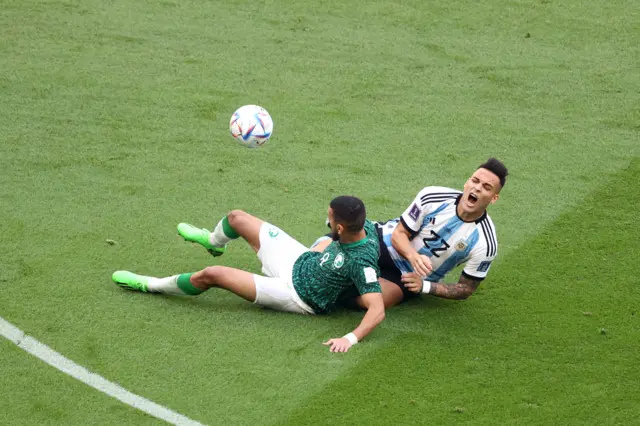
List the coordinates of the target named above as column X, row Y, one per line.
column 212, row 274
column 236, row 218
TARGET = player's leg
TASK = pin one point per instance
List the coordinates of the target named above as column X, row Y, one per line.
column 234, row 225
column 391, row 294
column 274, row 293
column 191, row 284
column 245, row 225
column 234, row 280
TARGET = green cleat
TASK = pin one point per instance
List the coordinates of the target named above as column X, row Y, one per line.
column 130, row 281
column 200, row 236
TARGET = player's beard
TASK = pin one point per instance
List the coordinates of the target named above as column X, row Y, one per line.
column 334, row 235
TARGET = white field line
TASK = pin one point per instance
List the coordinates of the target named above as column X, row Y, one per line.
column 78, row 372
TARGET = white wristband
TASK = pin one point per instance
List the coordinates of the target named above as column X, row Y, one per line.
column 351, row 338
column 426, row 286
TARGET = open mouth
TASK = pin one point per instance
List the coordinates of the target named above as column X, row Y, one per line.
column 472, row 198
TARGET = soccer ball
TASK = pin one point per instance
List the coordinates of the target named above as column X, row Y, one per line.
column 251, row 126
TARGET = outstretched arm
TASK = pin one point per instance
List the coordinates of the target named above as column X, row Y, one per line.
column 374, row 304
column 464, row 288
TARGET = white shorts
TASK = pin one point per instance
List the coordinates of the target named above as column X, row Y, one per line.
column 278, row 253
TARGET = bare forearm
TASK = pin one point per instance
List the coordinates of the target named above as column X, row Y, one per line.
column 457, row 291
column 371, row 319
column 401, row 243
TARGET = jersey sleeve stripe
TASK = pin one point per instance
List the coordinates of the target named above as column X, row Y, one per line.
column 492, row 244
column 439, row 194
column 493, row 238
column 486, row 238
column 437, row 198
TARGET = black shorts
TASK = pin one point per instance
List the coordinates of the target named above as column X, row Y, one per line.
column 389, row 270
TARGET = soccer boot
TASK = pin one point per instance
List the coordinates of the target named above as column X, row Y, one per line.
column 200, row 236
column 130, row 281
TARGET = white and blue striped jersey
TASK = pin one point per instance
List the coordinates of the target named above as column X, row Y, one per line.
column 438, row 232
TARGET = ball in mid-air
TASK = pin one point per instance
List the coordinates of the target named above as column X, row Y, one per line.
column 251, row 126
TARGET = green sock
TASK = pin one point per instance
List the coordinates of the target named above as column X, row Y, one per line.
column 228, row 230
column 184, row 283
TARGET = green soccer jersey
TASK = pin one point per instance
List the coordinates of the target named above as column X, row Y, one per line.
column 323, row 279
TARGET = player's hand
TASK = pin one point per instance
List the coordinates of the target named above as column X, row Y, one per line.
column 412, row 282
column 421, row 264
column 338, row 345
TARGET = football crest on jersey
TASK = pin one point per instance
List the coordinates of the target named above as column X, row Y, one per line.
column 460, row 245
column 339, row 261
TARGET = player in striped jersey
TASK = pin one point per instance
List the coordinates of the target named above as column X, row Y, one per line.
column 441, row 229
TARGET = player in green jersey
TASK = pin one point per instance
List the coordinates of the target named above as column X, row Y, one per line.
column 296, row 279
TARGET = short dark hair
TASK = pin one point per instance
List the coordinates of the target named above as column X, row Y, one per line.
column 496, row 167
column 349, row 212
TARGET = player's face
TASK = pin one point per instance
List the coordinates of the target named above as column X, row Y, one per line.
column 481, row 189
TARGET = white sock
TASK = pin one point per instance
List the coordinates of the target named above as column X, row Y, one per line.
column 218, row 238
column 168, row 285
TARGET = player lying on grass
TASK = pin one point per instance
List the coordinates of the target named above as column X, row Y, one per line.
column 441, row 229
column 297, row 279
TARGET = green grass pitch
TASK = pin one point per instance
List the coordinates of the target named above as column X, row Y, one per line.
column 114, row 126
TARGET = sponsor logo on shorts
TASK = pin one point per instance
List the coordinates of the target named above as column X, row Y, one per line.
column 414, row 212
column 273, row 232
column 339, row 261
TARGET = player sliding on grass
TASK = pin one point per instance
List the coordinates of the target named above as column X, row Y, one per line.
column 441, row 229
column 297, row 279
